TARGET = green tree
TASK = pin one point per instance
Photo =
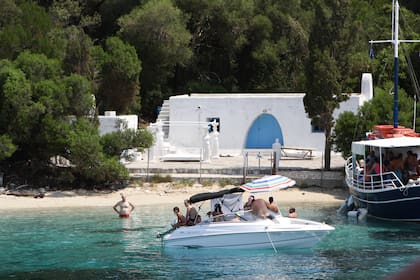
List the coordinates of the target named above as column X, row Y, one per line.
column 48, row 115
column 74, row 13
column 119, row 85
column 162, row 43
column 324, row 71
column 114, row 143
column 78, row 58
column 85, row 152
column 346, row 130
column 17, row 113
column 274, row 58
column 7, row 148
column 350, row 127
column 27, row 27
column 79, row 99
column 38, row 67
column 9, row 12
column 219, row 32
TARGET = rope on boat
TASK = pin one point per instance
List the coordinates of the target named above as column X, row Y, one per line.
column 271, row 241
column 404, row 190
column 161, row 235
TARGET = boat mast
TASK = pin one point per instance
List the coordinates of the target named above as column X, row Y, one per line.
column 395, row 41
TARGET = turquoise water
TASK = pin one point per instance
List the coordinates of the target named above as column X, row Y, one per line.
column 92, row 243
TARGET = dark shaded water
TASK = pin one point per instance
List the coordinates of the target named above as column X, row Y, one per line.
column 91, row 243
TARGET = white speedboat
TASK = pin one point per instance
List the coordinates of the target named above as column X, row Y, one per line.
column 279, row 233
column 239, row 229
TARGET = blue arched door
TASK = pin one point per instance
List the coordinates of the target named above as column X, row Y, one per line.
column 263, row 133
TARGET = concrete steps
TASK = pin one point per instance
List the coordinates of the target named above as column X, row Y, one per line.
column 164, row 118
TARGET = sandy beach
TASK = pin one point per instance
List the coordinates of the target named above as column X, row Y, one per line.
column 164, row 193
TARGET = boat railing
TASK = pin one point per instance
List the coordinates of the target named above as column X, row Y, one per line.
column 357, row 179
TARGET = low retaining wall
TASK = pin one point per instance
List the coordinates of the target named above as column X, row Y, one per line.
column 303, row 177
column 321, row 178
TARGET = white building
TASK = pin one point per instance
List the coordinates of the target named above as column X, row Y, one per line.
column 245, row 121
column 110, row 122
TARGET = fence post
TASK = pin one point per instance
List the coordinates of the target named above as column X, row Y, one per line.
column 245, row 168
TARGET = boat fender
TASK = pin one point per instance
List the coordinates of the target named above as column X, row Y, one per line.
column 353, row 214
column 362, row 214
column 350, row 203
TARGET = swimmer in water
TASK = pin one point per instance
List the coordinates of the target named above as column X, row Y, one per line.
column 123, row 207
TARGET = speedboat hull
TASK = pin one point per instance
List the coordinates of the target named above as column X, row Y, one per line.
column 281, row 233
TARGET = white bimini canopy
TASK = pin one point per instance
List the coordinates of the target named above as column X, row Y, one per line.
column 268, row 183
column 397, row 142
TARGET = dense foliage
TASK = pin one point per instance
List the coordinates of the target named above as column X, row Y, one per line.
column 64, row 61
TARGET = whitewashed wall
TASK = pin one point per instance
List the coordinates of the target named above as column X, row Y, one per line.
column 188, row 116
column 110, row 122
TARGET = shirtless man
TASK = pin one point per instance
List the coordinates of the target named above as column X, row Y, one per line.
column 192, row 215
column 259, row 208
column 125, row 207
column 272, row 206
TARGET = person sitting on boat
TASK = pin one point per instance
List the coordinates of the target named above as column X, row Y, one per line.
column 272, row 206
column 411, row 165
column 191, row 216
column 180, row 219
column 123, row 207
column 292, row 213
column 372, row 166
column 379, row 168
column 370, row 160
column 248, row 204
column 217, row 214
column 360, row 166
column 397, row 165
column 259, row 209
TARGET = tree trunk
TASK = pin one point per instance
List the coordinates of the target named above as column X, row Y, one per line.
column 327, row 150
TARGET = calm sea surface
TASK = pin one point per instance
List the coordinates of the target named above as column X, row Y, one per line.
column 92, row 243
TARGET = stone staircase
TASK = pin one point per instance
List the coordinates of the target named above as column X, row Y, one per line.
column 164, row 118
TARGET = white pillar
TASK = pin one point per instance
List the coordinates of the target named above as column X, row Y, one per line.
column 206, row 147
column 277, row 150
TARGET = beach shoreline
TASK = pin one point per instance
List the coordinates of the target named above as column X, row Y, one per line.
column 163, row 193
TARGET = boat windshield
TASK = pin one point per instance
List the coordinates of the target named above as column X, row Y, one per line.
column 239, row 216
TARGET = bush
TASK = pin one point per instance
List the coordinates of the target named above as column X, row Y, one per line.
column 114, row 143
